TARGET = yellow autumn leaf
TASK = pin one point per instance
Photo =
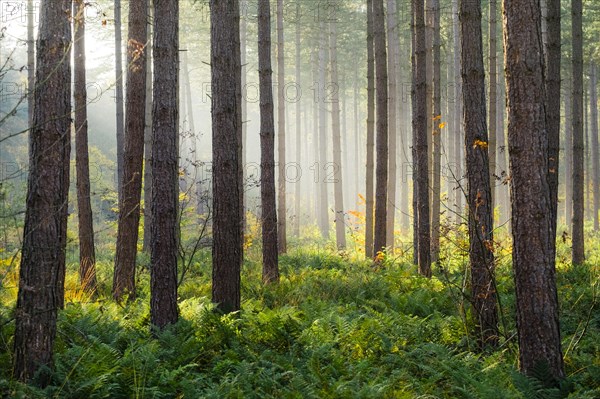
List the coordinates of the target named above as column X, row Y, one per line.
column 437, row 118
column 480, row 143
column 442, row 125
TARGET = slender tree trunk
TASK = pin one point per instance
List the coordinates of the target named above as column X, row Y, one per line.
column 340, row 225
column 553, row 64
column 501, row 147
column 537, row 301
column 458, row 192
column 227, row 154
column 594, row 143
column 270, row 273
column 243, row 51
column 323, row 115
column 42, row 269
column 148, row 138
column 479, row 194
column 577, row 122
column 393, row 67
column 369, row 193
column 119, row 98
column 381, row 173
column 414, row 6
column 493, row 82
column 420, row 133
column 298, row 124
column 568, row 156
column 281, row 107
column 436, row 118
column 30, row 62
column 87, row 255
column 129, row 210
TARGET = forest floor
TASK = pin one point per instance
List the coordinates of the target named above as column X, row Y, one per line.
column 335, row 327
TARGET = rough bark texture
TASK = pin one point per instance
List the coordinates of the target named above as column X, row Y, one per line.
column 281, row 180
column 270, row 271
column 30, row 63
column 420, row 146
column 381, row 171
column 436, row 119
column 578, row 142
column 393, row 69
column 87, row 255
column 42, row 269
column 340, row 225
column 537, row 302
column 369, row 190
column 119, row 97
column 298, row 68
column 493, row 83
column 479, row 193
column 457, row 168
column 594, row 142
column 227, row 154
column 568, row 146
column 133, row 155
column 552, row 55
column 165, row 170
column 148, row 137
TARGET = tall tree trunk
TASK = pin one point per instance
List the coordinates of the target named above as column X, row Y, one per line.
column 165, row 169
column 129, row 209
column 243, row 51
column 458, row 191
column 381, row 172
column 148, row 138
column 281, row 107
column 119, row 98
column 270, row 273
column 340, row 225
column 369, row 190
column 537, row 301
column 594, row 143
column 568, row 145
column 226, row 108
column 479, row 193
column 493, row 82
column 42, row 269
column 552, row 55
column 436, row 118
column 30, row 62
column 577, row 122
column 323, row 115
column 501, row 146
column 393, row 66
column 298, row 124
column 87, row 254
column 420, row 145
column 414, row 6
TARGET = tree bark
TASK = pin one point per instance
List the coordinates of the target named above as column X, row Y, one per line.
column 270, row 273
column 568, row 145
column 420, row 145
column 133, row 155
column 594, row 143
column 87, row 255
column 381, row 172
column 436, row 119
column 369, row 190
column 493, row 82
column 298, row 124
column 165, row 168
column 577, row 122
column 340, row 225
column 479, row 193
column 534, row 273
column 42, row 269
column 227, row 154
column 119, row 98
column 393, row 66
column 281, row 107
column 30, row 62
column 148, row 138
column 322, row 166
column 458, row 191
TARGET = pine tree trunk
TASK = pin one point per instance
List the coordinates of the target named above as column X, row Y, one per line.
column 42, row 268
column 87, row 255
column 133, row 155
column 270, row 273
column 536, row 295
column 420, row 145
column 30, row 63
column 298, row 125
column 281, row 107
column 577, row 122
column 323, row 116
column 459, row 190
column 393, row 66
column 553, row 64
column 148, row 138
column 243, row 51
column 436, row 119
column 479, row 193
column 119, row 98
column 165, row 169
column 594, row 143
column 493, row 83
column 381, row 171
column 369, row 193
column 226, row 109
column 568, row 146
